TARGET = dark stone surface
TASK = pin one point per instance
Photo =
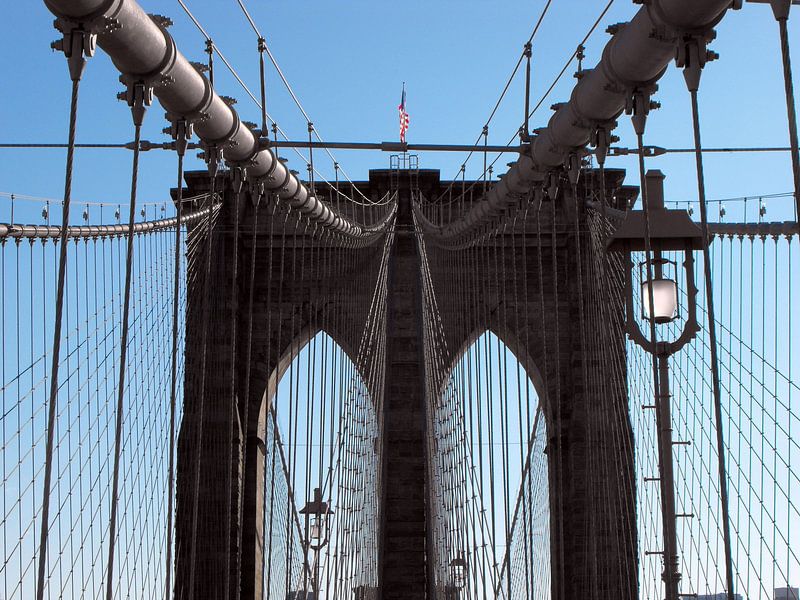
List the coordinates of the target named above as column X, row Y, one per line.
column 539, row 324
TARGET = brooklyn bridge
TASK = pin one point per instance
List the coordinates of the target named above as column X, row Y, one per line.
column 547, row 380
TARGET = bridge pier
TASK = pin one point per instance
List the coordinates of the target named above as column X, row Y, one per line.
column 403, row 536
column 592, row 524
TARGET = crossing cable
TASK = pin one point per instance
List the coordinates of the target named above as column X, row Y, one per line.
column 611, row 294
column 559, row 398
column 212, row 158
column 79, row 41
column 531, row 423
column 640, row 109
column 238, row 183
column 266, row 557
column 614, row 287
column 573, row 175
column 722, row 266
column 257, row 193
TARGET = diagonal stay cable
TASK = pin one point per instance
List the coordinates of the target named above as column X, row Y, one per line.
column 539, row 103
column 256, row 100
column 296, row 100
column 505, row 90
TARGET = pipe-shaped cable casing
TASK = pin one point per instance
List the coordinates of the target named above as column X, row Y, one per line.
column 142, row 50
column 635, row 58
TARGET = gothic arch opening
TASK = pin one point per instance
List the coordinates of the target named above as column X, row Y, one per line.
column 488, row 434
column 319, row 427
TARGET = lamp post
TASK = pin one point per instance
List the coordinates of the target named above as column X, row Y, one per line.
column 669, row 230
column 317, row 527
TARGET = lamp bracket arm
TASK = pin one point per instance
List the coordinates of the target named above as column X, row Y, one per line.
column 631, row 327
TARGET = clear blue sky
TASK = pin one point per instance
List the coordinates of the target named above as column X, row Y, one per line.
column 347, row 61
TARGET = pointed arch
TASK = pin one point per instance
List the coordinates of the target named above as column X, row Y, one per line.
column 521, row 353
column 502, row 428
column 318, row 428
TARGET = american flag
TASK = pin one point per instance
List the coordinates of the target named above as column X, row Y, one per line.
column 403, row 116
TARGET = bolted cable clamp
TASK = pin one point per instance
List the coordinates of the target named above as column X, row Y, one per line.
column 212, row 154
column 537, row 196
column 638, row 105
column 780, row 8
column 580, row 54
column 552, row 184
column 138, row 95
column 572, row 165
column 258, row 191
column 601, row 140
column 239, row 176
column 692, row 54
column 77, row 45
column 181, row 130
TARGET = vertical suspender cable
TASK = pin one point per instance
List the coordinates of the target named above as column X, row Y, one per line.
column 712, row 334
column 781, row 10
column 212, row 157
column 256, row 195
column 463, row 188
column 137, row 97
column 574, row 174
column 671, row 575
column 210, row 52
column 262, row 46
column 238, row 182
column 180, row 147
column 269, row 544
column 76, row 39
column 526, row 127
column 670, row 583
column 558, row 400
column 485, row 143
column 311, row 158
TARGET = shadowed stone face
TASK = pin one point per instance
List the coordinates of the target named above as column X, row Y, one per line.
column 306, row 283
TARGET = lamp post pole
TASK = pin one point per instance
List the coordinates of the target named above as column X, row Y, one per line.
column 316, row 573
column 671, row 231
column 671, row 574
column 319, row 510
